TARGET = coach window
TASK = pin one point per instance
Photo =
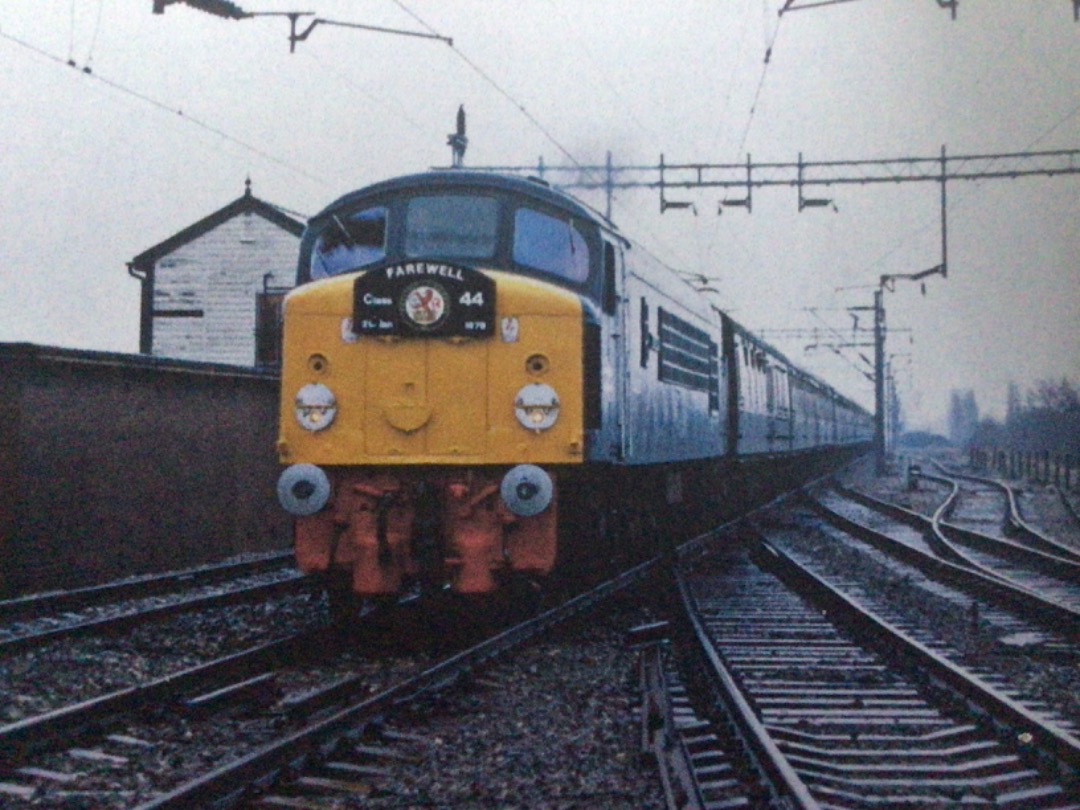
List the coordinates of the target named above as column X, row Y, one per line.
column 550, row 245
column 350, row 241
column 451, row 226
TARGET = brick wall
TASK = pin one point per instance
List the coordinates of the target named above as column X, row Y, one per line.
column 113, row 465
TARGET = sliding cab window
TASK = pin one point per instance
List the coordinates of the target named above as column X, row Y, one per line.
column 550, row 245
column 451, row 226
column 610, row 299
column 350, row 242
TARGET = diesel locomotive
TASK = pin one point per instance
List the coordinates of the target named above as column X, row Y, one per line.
column 483, row 380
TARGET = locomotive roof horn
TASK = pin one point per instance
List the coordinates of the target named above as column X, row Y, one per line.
column 457, row 141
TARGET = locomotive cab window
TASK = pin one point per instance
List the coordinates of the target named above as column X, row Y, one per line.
column 452, row 226
column 349, row 242
column 550, row 245
column 610, row 297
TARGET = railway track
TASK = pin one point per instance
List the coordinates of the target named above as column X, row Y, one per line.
column 1029, row 583
column 230, row 676
column 971, row 490
column 342, row 740
column 1055, row 576
column 999, row 645
column 75, row 685
column 282, row 681
column 103, row 752
column 839, row 708
column 701, row 763
column 122, row 746
column 53, row 602
column 286, row 770
column 1070, row 508
column 134, row 606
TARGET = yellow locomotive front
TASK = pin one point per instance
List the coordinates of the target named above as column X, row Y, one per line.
column 432, row 382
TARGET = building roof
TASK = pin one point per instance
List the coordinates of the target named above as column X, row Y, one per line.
column 248, row 203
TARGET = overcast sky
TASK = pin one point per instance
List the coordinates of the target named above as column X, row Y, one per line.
column 179, row 109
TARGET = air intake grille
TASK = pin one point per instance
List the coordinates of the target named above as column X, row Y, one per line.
column 688, row 357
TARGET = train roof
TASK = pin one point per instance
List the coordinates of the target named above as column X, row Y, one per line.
column 532, row 187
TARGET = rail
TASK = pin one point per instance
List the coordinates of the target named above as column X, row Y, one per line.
column 228, row 785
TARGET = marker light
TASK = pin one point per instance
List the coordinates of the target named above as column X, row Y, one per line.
column 537, row 406
column 316, row 407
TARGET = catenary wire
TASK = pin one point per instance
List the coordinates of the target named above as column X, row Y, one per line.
column 498, row 88
column 540, row 127
column 71, row 33
column 124, row 89
column 94, row 35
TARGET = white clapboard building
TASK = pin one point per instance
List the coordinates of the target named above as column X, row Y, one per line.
column 212, row 293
